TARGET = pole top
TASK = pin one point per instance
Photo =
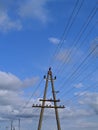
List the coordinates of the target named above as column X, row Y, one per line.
column 50, row 72
column 49, row 68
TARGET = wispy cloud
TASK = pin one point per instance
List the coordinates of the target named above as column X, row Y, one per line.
column 69, row 55
column 62, row 56
column 79, row 85
column 90, row 99
column 11, row 92
column 13, row 13
column 34, row 10
column 11, row 82
column 7, row 24
column 94, row 46
column 54, row 40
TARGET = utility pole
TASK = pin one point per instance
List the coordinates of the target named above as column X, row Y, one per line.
column 19, row 123
column 48, row 78
column 6, row 127
column 11, row 124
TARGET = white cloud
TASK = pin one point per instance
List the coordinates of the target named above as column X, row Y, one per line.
column 79, row 85
column 94, row 46
column 13, row 13
column 54, row 40
column 11, row 92
column 6, row 23
column 34, row 10
column 63, row 56
column 11, row 82
column 69, row 55
column 90, row 99
column 85, row 124
column 75, row 112
column 73, row 118
column 10, row 98
column 30, row 81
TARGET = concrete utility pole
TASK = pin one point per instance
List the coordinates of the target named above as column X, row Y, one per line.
column 49, row 77
column 19, row 123
column 11, row 124
column 6, row 127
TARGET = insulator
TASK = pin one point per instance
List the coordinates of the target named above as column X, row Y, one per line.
column 49, row 68
column 57, row 91
column 55, row 78
column 44, row 76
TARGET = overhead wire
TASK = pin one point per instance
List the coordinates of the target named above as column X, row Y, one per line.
column 63, row 35
column 75, row 16
column 25, row 105
column 71, row 20
column 78, row 94
column 55, row 54
column 86, row 23
column 69, row 78
column 79, row 73
column 83, row 88
column 82, row 69
column 60, row 47
column 70, row 25
column 75, row 43
column 90, row 31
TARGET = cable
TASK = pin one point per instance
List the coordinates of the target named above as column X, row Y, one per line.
column 82, row 30
column 79, row 68
column 25, row 105
column 81, row 45
column 87, row 88
column 73, row 21
column 63, row 35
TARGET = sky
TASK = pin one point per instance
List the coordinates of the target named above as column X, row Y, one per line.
column 36, row 35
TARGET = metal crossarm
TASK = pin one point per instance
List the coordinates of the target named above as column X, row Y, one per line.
column 50, row 100
column 48, row 106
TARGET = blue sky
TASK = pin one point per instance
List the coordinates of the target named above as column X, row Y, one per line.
column 35, row 35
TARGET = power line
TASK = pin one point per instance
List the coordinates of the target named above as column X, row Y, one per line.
column 63, row 35
column 72, row 98
column 72, row 24
column 25, row 105
column 86, row 58
column 82, row 30
column 81, row 45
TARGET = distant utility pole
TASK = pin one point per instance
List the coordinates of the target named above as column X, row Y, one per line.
column 19, row 123
column 48, row 78
column 6, row 127
column 11, row 124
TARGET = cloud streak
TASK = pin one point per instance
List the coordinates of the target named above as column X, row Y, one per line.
column 11, row 82
column 7, row 24
column 12, row 94
column 34, row 10
column 14, row 13
column 54, row 40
